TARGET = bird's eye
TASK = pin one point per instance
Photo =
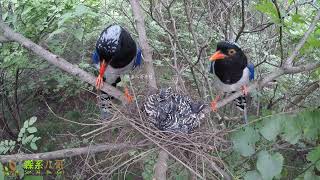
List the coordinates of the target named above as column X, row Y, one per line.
column 231, row 52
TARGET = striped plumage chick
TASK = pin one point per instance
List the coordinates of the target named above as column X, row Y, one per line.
column 169, row 111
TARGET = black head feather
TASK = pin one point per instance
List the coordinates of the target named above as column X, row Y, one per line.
column 116, row 46
column 229, row 70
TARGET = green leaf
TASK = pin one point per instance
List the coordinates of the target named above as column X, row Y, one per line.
column 78, row 33
column 58, row 31
column 311, row 123
column 269, row 165
column 292, row 130
column 27, row 139
column 35, row 139
column 25, row 124
column 2, row 148
column 310, row 175
column 271, row 127
column 252, row 175
column 12, row 143
column 297, row 18
column 32, row 130
column 33, row 146
column 22, row 131
column 244, row 141
column 314, row 157
column 1, row 171
column 32, row 120
column 20, row 170
column 4, row 16
column 268, row 8
column 12, row 148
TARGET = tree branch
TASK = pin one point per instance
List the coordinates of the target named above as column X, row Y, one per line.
column 286, row 69
column 58, row 61
column 146, row 50
column 4, row 40
column 306, row 92
column 70, row 152
column 243, row 23
column 161, row 167
column 295, row 53
column 268, row 78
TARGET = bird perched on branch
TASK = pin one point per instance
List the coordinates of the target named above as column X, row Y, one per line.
column 169, row 111
column 116, row 54
column 232, row 72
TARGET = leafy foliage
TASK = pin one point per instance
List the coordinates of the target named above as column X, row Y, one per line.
column 269, row 165
column 26, row 137
column 244, row 141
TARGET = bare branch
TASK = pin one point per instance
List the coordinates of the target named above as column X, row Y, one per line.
column 268, row 78
column 4, row 40
column 310, row 89
column 161, row 167
column 287, row 69
column 295, row 53
column 58, row 61
column 243, row 23
column 70, row 152
column 147, row 53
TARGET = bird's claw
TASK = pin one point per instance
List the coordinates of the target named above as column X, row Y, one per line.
column 214, row 104
column 99, row 82
column 127, row 95
column 244, row 90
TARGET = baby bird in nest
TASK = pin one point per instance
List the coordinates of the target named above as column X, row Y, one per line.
column 169, row 111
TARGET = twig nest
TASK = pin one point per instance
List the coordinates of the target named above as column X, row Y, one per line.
column 173, row 112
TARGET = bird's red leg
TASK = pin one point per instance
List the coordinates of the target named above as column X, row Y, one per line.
column 99, row 81
column 244, row 89
column 214, row 103
column 127, row 95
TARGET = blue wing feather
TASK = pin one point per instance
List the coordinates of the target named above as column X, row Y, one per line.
column 138, row 60
column 95, row 57
column 251, row 70
column 211, row 67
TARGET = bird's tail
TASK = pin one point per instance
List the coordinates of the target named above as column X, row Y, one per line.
column 104, row 103
column 241, row 104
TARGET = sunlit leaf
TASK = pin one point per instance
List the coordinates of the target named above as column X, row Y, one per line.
column 244, row 141
column 271, row 127
column 78, row 33
column 32, row 130
column 314, row 157
column 292, row 130
column 33, row 146
column 32, row 120
column 269, row 165
column 1, row 171
column 252, row 175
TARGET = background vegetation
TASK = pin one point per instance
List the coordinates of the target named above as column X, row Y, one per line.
column 281, row 142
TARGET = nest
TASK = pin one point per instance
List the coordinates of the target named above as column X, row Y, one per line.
column 193, row 142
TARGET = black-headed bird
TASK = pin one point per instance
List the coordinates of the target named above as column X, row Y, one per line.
column 169, row 111
column 116, row 53
column 232, row 72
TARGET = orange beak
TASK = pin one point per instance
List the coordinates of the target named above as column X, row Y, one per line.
column 218, row 55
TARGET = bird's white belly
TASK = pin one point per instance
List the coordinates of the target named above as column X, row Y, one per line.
column 220, row 86
column 111, row 74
